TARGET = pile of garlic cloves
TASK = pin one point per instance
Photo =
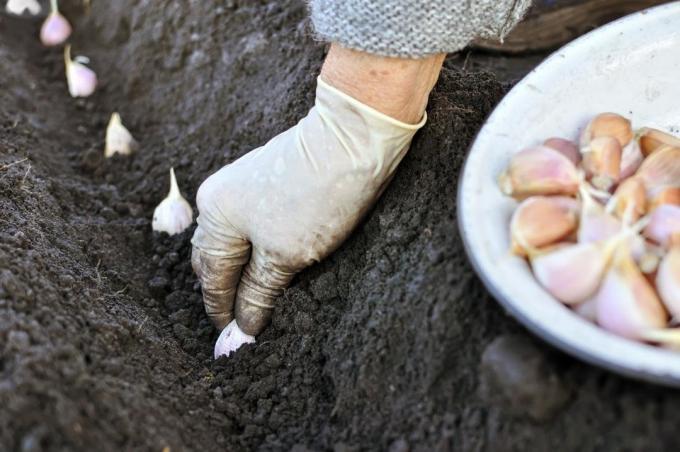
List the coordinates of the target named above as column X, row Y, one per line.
column 599, row 223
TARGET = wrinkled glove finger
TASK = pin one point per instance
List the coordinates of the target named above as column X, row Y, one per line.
column 261, row 283
column 219, row 275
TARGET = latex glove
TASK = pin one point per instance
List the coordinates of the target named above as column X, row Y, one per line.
column 288, row 204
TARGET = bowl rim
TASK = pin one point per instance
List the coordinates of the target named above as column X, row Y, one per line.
column 540, row 329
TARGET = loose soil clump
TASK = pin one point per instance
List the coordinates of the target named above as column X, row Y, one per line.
column 104, row 344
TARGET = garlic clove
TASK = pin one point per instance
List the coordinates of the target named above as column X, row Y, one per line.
column 602, row 161
column 539, row 171
column 652, row 140
column 571, row 273
column 56, row 29
column 627, row 304
column 19, row 6
column 668, row 281
column 596, row 223
column 81, row 80
column 118, row 138
column 660, row 171
column 542, row 220
column 668, row 195
column 173, row 215
column 566, row 148
column 231, row 339
column 607, row 125
column 631, row 159
column 631, row 194
column 664, row 224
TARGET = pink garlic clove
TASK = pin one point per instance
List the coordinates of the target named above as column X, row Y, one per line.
column 564, row 147
column 668, row 195
column 607, row 125
column 539, row 171
column 82, row 81
column 542, row 220
column 631, row 194
column 664, row 224
column 602, row 161
column 660, row 171
column 571, row 273
column 596, row 223
column 651, row 140
column 668, row 281
column 627, row 304
column 631, row 159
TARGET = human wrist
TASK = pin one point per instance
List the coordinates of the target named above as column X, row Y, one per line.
column 397, row 87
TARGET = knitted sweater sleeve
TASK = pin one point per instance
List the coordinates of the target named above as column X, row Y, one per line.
column 413, row 28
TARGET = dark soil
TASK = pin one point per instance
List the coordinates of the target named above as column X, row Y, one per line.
column 390, row 344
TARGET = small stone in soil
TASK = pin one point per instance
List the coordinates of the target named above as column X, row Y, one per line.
column 516, row 375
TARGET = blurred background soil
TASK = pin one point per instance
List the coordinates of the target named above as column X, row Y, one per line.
column 390, row 344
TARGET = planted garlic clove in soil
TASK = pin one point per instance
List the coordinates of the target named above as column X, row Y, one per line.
column 19, row 6
column 81, row 80
column 231, row 339
column 627, row 304
column 173, row 215
column 565, row 147
column 118, row 139
column 652, row 140
column 541, row 221
column 668, row 281
column 56, row 29
column 602, row 161
column 571, row 273
column 539, row 171
column 664, row 225
column 660, row 171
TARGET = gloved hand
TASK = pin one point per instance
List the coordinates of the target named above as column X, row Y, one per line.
column 288, row 204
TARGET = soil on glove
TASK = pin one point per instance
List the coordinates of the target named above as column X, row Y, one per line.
column 390, row 344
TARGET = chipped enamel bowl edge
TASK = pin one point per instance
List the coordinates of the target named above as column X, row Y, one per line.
column 631, row 66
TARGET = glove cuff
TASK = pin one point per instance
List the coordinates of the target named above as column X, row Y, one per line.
column 327, row 97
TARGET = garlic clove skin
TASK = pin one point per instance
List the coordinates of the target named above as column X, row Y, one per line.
column 82, row 81
column 18, row 7
column 664, row 223
column 571, row 273
column 539, row 171
column 668, row 195
column 666, row 337
column 668, row 281
column 231, row 339
column 607, row 125
column 631, row 159
column 119, row 140
column 627, row 304
column 660, row 171
column 631, row 194
column 564, row 147
column 602, row 161
column 174, row 214
column 542, row 220
column 652, row 140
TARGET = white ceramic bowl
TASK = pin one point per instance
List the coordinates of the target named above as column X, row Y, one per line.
column 632, row 67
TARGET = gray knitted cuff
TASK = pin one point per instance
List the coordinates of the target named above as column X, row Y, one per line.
column 413, row 28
